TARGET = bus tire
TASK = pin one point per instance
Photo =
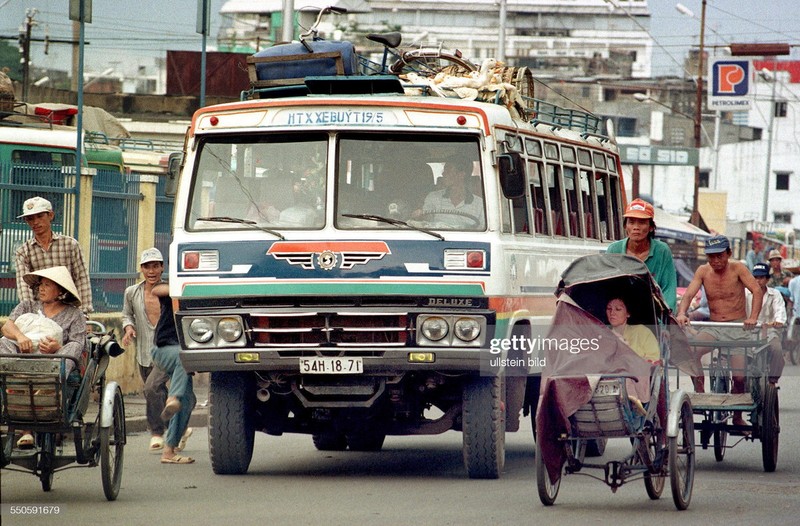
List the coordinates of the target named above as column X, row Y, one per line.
column 483, row 426
column 231, row 430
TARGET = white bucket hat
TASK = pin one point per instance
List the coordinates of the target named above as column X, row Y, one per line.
column 59, row 275
column 35, row 205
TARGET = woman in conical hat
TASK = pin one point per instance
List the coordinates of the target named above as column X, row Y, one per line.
column 56, row 299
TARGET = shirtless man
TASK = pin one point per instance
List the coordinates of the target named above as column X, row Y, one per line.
column 725, row 282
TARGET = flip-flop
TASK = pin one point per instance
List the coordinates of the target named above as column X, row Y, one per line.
column 25, row 441
column 170, row 408
column 156, row 444
column 182, row 444
column 177, row 459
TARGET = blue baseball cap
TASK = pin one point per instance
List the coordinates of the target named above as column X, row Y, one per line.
column 717, row 244
column 760, row 270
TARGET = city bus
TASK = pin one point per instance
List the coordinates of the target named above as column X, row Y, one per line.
column 321, row 273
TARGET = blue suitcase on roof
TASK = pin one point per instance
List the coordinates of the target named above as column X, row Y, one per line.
column 286, row 62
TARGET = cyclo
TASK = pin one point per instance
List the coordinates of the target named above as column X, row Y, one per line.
column 759, row 399
column 35, row 396
column 588, row 392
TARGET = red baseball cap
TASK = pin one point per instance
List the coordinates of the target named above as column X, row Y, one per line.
column 641, row 209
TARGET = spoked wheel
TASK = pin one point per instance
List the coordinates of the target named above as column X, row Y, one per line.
column 112, row 447
column 770, row 428
column 483, row 428
column 548, row 490
column 654, row 483
column 681, row 458
column 720, row 383
column 46, row 457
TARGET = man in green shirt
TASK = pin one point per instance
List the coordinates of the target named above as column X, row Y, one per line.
column 641, row 243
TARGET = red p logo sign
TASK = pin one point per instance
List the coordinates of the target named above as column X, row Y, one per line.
column 730, row 76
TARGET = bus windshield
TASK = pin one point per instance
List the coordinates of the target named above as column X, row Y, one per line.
column 267, row 180
column 383, row 181
column 429, row 181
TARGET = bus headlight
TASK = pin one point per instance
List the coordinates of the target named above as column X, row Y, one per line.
column 466, row 329
column 435, row 328
column 201, row 330
column 229, row 329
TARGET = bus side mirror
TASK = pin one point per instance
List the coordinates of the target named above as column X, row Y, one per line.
column 173, row 173
column 512, row 175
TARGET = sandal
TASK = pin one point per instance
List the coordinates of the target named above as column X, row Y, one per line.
column 182, row 444
column 156, row 444
column 172, row 406
column 177, row 459
column 25, row 441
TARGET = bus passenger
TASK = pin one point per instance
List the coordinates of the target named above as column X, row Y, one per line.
column 640, row 227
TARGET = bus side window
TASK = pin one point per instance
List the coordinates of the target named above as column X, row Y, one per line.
column 588, row 194
column 537, row 198
column 572, row 194
column 600, row 180
column 615, row 219
column 556, row 200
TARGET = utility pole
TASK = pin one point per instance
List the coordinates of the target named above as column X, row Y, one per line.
column 25, row 48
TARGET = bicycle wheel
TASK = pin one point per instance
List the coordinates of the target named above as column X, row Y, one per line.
column 112, row 447
column 654, row 482
column 429, row 62
column 770, row 428
column 548, row 490
column 681, row 458
column 720, row 383
column 47, row 444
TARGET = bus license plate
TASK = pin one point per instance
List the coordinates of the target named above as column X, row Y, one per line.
column 607, row 389
column 331, row 365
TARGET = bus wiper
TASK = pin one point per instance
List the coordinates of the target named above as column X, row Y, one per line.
column 240, row 221
column 395, row 222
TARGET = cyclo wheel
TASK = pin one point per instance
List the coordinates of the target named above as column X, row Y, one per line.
column 720, row 383
column 682, row 458
column 654, row 482
column 46, row 457
column 112, row 447
column 548, row 491
column 770, row 428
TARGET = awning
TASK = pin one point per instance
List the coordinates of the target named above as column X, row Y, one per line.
column 673, row 227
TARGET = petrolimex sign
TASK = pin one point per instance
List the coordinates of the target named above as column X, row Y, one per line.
column 730, row 84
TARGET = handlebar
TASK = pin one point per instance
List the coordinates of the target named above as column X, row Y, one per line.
column 322, row 12
column 719, row 324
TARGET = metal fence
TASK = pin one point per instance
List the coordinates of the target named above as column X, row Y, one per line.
column 116, row 200
column 18, row 182
column 112, row 255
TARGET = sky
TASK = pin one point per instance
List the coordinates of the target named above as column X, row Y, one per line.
column 124, row 33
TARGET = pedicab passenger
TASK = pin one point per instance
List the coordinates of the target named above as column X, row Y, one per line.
column 57, row 299
column 725, row 281
column 638, row 337
column 772, row 319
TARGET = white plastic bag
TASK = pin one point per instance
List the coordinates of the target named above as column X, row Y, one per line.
column 37, row 326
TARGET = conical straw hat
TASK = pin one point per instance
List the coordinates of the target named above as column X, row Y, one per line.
column 59, row 275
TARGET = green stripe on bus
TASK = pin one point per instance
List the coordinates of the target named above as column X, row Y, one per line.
column 288, row 289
